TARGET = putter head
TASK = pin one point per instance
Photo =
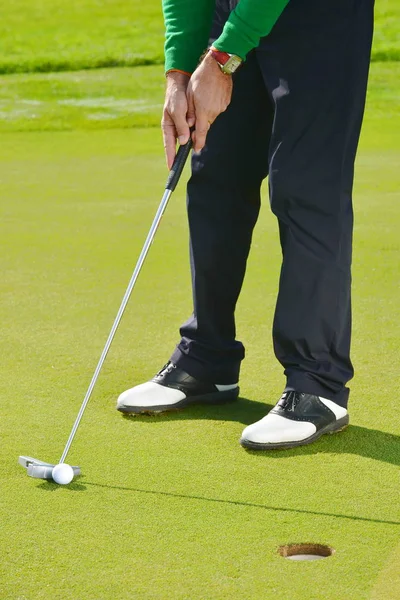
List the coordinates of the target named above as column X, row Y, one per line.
column 39, row 469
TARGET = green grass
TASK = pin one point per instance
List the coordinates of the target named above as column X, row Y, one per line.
column 129, row 97
column 65, row 35
column 172, row 507
column 386, row 45
column 103, row 98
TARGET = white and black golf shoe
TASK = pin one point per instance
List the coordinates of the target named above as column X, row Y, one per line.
column 172, row 389
column 296, row 420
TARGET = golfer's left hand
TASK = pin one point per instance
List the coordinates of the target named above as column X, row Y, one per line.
column 209, row 93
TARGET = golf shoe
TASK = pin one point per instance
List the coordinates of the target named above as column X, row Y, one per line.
column 171, row 389
column 296, row 420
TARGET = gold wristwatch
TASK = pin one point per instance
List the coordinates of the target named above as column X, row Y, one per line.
column 228, row 63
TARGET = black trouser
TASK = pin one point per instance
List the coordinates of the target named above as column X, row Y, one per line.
column 295, row 114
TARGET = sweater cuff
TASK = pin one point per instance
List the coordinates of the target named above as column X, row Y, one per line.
column 182, row 55
column 178, row 71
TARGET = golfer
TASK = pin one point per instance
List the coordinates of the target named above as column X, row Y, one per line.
column 279, row 92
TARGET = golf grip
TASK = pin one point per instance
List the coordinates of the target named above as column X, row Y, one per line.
column 179, row 163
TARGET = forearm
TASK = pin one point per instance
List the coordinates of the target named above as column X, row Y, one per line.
column 188, row 24
column 247, row 24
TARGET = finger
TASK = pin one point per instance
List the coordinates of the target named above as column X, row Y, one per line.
column 182, row 127
column 191, row 112
column 202, row 127
column 169, row 137
column 177, row 112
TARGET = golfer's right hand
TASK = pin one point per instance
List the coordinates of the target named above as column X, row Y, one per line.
column 174, row 125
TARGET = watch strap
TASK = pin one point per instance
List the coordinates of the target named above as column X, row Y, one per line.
column 228, row 63
column 220, row 56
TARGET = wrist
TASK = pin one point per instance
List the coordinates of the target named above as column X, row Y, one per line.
column 228, row 63
column 178, row 76
column 212, row 64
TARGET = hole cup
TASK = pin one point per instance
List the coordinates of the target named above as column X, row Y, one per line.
column 308, row 551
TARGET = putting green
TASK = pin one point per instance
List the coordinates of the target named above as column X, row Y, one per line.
column 172, row 507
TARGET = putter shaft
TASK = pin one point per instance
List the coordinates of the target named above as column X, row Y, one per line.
column 173, row 178
column 39, row 469
column 121, row 310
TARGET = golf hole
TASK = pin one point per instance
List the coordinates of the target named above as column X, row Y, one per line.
column 305, row 551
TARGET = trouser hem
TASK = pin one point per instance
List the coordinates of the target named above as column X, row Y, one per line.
column 205, row 372
column 304, row 382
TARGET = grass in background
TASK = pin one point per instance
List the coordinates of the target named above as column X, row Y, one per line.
column 65, row 35
column 102, row 98
column 386, row 44
column 129, row 97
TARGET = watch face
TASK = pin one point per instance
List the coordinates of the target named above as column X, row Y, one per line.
column 232, row 64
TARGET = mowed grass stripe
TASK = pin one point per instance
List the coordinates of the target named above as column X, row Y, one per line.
column 104, row 98
column 127, row 98
column 91, row 34
column 79, row 34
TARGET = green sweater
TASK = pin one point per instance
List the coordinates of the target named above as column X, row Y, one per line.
column 188, row 25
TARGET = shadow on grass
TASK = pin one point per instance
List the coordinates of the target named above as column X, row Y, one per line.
column 361, row 441
column 240, row 503
column 370, row 443
column 51, row 486
column 242, row 410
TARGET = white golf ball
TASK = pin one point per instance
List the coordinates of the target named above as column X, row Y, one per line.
column 62, row 474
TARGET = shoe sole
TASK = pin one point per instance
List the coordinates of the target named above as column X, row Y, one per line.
column 335, row 427
column 207, row 399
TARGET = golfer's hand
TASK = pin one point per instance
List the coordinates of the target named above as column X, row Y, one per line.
column 209, row 94
column 174, row 124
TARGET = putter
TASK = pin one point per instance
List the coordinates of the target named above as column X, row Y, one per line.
column 39, row 469
column 43, row 470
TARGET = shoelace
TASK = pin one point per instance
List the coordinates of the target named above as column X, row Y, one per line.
column 290, row 400
column 167, row 368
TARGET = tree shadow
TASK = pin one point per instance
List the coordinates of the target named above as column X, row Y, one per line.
column 370, row 443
